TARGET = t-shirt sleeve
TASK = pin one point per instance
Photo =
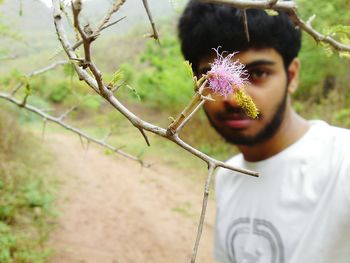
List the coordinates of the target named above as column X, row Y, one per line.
column 345, row 178
column 343, row 143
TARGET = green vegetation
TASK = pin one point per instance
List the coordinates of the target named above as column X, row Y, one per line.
column 319, row 63
column 26, row 191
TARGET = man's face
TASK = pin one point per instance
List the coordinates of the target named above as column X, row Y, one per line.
column 269, row 87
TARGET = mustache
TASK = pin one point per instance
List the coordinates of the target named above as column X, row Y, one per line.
column 234, row 113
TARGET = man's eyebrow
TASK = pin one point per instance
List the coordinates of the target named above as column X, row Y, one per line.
column 257, row 63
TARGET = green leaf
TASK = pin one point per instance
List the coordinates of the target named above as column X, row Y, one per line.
column 271, row 12
column 134, row 91
column 117, row 77
column 188, row 68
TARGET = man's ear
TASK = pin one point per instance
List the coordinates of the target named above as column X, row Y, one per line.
column 293, row 74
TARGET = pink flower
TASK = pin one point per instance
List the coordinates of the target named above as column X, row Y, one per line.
column 226, row 75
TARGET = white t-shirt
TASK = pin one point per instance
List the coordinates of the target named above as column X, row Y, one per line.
column 297, row 211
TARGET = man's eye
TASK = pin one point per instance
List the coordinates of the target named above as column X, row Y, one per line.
column 258, row 75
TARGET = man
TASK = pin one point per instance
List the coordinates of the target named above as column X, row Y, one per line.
column 298, row 210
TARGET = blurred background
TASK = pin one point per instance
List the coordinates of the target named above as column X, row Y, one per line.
column 158, row 87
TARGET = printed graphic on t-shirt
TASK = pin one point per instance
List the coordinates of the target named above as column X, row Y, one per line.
column 253, row 240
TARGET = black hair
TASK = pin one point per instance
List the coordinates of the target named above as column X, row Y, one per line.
column 205, row 26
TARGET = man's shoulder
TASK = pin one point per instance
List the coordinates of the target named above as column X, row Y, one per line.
column 332, row 141
column 340, row 137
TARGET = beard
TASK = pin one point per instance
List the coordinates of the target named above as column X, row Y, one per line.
column 266, row 133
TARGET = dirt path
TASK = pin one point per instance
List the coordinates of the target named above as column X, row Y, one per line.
column 112, row 211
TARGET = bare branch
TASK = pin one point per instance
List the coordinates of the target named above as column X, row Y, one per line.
column 96, row 33
column 203, row 212
column 24, row 101
column 76, row 8
column 187, row 119
column 83, row 75
column 135, row 120
column 47, row 117
column 38, row 72
column 253, row 4
column 107, row 135
column 47, row 68
column 117, row 87
column 195, row 101
column 290, row 8
column 318, row 36
column 16, row 88
column 155, row 33
column 44, row 129
column 112, row 23
column 65, row 114
column 114, row 8
column 82, row 143
column 144, row 136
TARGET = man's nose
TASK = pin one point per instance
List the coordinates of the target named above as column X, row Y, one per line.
column 230, row 101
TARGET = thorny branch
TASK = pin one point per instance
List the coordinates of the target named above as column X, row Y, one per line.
column 155, row 32
column 291, row 9
column 114, row 8
column 38, row 72
column 172, row 133
column 211, row 169
column 59, row 120
column 103, row 90
column 96, row 83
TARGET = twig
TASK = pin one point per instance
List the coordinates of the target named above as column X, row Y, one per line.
column 56, row 120
column 144, row 136
column 38, row 72
column 154, row 29
column 47, row 68
column 95, row 34
column 117, row 87
column 16, row 88
column 112, row 23
column 184, row 122
column 253, row 4
column 81, row 142
column 44, row 129
column 195, row 101
column 114, row 8
column 65, row 114
column 318, row 36
column 203, row 212
column 76, row 8
column 107, row 135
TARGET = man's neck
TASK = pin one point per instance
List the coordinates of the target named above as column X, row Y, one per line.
column 292, row 129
